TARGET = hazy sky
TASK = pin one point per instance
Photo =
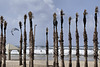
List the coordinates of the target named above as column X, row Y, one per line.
column 14, row 11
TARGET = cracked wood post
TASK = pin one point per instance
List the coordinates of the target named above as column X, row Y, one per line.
column 1, row 40
column 54, row 46
column 56, row 49
column 70, row 44
column 21, row 40
column 4, row 45
column 77, row 43
column 85, row 40
column 95, row 40
column 54, row 24
column 47, row 47
column 31, row 41
column 25, row 41
column 61, row 41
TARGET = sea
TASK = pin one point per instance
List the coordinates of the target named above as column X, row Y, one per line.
column 40, row 53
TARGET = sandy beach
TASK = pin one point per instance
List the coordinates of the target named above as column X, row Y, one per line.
column 42, row 63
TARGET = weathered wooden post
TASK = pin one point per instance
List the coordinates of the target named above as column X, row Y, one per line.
column 54, row 24
column 77, row 43
column 31, row 41
column 95, row 40
column 47, row 47
column 61, row 41
column 21, row 39
column 85, row 40
column 56, row 47
column 1, row 40
column 4, row 45
column 25, row 41
column 70, row 44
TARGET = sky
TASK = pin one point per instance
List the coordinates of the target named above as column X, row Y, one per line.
column 13, row 11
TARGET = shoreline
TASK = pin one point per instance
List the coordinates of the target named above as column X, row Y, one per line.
column 50, row 57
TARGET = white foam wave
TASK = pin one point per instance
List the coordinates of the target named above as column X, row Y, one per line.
column 43, row 51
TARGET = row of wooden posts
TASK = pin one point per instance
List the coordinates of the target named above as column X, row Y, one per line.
column 3, row 42
column 55, row 39
column 55, row 42
column 31, row 42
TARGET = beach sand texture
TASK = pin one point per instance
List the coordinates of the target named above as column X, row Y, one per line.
column 42, row 63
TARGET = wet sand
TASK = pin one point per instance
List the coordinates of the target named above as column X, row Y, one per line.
column 42, row 63
column 14, row 62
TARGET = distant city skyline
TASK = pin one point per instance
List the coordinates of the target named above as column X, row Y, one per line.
column 13, row 11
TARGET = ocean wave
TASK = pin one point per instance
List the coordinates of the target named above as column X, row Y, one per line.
column 42, row 51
